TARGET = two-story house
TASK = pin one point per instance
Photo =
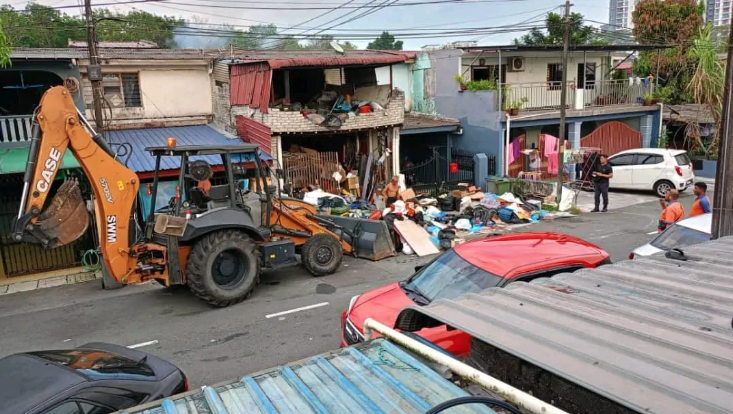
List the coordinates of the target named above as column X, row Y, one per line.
column 148, row 95
column 345, row 107
column 602, row 113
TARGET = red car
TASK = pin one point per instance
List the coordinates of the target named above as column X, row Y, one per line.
column 470, row 267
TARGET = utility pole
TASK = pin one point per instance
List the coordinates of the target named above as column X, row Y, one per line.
column 723, row 199
column 563, row 100
column 94, row 70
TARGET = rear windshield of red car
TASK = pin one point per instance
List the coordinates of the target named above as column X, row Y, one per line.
column 450, row 276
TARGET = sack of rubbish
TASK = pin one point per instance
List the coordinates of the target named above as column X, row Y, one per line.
column 490, row 200
column 406, row 249
column 465, row 203
column 463, row 224
column 433, row 211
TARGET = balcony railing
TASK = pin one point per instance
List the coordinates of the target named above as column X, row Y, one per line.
column 546, row 95
column 614, row 92
column 15, row 130
column 539, row 96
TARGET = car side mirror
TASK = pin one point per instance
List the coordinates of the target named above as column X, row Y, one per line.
column 418, row 268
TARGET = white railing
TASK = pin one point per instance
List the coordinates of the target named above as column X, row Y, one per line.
column 539, row 95
column 546, row 95
column 614, row 92
column 15, row 130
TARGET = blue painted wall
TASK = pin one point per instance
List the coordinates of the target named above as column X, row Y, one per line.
column 422, row 100
column 477, row 111
column 401, row 79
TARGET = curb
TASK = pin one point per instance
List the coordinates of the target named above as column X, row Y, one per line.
column 25, row 285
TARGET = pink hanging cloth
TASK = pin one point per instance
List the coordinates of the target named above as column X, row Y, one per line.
column 552, row 146
column 514, row 151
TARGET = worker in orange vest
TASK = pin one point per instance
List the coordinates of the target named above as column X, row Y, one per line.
column 672, row 210
column 702, row 203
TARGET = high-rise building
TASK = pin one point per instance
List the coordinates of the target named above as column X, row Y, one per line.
column 718, row 12
column 619, row 14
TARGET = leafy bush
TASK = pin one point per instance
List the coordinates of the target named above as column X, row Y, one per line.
column 481, row 85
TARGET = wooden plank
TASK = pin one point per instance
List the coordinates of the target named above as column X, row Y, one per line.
column 417, row 237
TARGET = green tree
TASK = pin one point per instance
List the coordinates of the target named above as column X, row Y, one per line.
column 260, row 36
column 707, row 84
column 385, row 41
column 41, row 26
column 670, row 22
column 4, row 49
column 324, row 43
column 554, row 32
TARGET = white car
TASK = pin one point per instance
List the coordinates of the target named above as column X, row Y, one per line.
column 653, row 169
column 684, row 233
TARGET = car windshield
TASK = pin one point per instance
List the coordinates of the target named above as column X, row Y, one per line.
column 99, row 362
column 677, row 237
column 449, row 276
column 683, row 159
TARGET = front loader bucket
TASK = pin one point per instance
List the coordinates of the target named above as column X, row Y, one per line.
column 372, row 239
column 66, row 219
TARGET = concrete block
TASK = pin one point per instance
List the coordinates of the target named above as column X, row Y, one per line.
column 52, row 281
column 3, row 289
column 23, row 286
column 81, row 277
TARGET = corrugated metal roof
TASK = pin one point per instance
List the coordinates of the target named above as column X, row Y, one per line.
column 374, row 378
column 142, row 161
column 653, row 334
column 230, row 56
column 415, row 120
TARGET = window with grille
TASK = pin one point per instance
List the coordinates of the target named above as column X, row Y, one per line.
column 122, row 90
column 554, row 76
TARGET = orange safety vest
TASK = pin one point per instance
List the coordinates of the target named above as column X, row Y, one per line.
column 672, row 214
column 697, row 209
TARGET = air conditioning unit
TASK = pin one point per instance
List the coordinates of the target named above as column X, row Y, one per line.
column 517, row 64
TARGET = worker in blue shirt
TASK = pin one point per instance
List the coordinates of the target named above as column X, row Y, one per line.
column 702, row 203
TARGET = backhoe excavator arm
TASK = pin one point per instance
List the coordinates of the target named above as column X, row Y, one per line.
column 66, row 218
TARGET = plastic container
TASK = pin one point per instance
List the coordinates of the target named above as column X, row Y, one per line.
column 498, row 185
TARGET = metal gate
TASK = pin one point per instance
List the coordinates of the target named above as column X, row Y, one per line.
column 437, row 169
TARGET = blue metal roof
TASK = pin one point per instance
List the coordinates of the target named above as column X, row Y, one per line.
column 373, row 378
column 142, row 161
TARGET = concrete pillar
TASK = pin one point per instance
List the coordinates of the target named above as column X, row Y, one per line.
column 396, row 151
column 574, row 134
column 646, row 126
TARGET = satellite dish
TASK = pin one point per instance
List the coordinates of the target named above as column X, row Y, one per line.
column 337, row 47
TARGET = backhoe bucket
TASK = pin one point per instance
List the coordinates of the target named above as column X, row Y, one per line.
column 66, row 219
column 372, row 240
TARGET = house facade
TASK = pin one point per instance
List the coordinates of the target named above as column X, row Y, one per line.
column 345, row 107
column 149, row 95
column 602, row 113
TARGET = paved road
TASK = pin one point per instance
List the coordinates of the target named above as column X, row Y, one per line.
column 213, row 345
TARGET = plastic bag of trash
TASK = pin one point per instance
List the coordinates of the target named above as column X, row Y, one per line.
column 433, row 211
column 463, row 224
column 406, row 249
column 490, row 200
column 465, row 203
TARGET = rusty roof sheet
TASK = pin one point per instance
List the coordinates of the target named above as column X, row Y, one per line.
column 414, row 120
column 688, row 113
column 653, row 334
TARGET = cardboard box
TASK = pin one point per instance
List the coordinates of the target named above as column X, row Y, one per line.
column 351, row 183
column 460, row 193
column 407, row 195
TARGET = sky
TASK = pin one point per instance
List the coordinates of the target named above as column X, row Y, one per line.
column 435, row 17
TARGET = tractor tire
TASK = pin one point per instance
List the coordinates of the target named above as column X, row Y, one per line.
column 322, row 255
column 223, row 268
column 108, row 282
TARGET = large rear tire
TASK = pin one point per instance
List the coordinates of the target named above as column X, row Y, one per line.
column 223, row 268
column 322, row 254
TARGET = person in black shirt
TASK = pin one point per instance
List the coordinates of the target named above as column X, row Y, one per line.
column 601, row 174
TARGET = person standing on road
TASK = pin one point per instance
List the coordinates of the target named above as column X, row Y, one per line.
column 391, row 191
column 602, row 173
column 702, row 203
column 672, row 210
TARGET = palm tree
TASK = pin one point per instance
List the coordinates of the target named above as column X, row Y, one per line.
column 707, row 84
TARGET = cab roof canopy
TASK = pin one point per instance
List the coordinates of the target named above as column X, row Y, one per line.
column 203, row 149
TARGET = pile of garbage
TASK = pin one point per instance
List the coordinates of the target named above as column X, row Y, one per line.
column 424, row 225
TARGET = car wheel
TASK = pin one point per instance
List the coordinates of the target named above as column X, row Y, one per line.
column 661, row 187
